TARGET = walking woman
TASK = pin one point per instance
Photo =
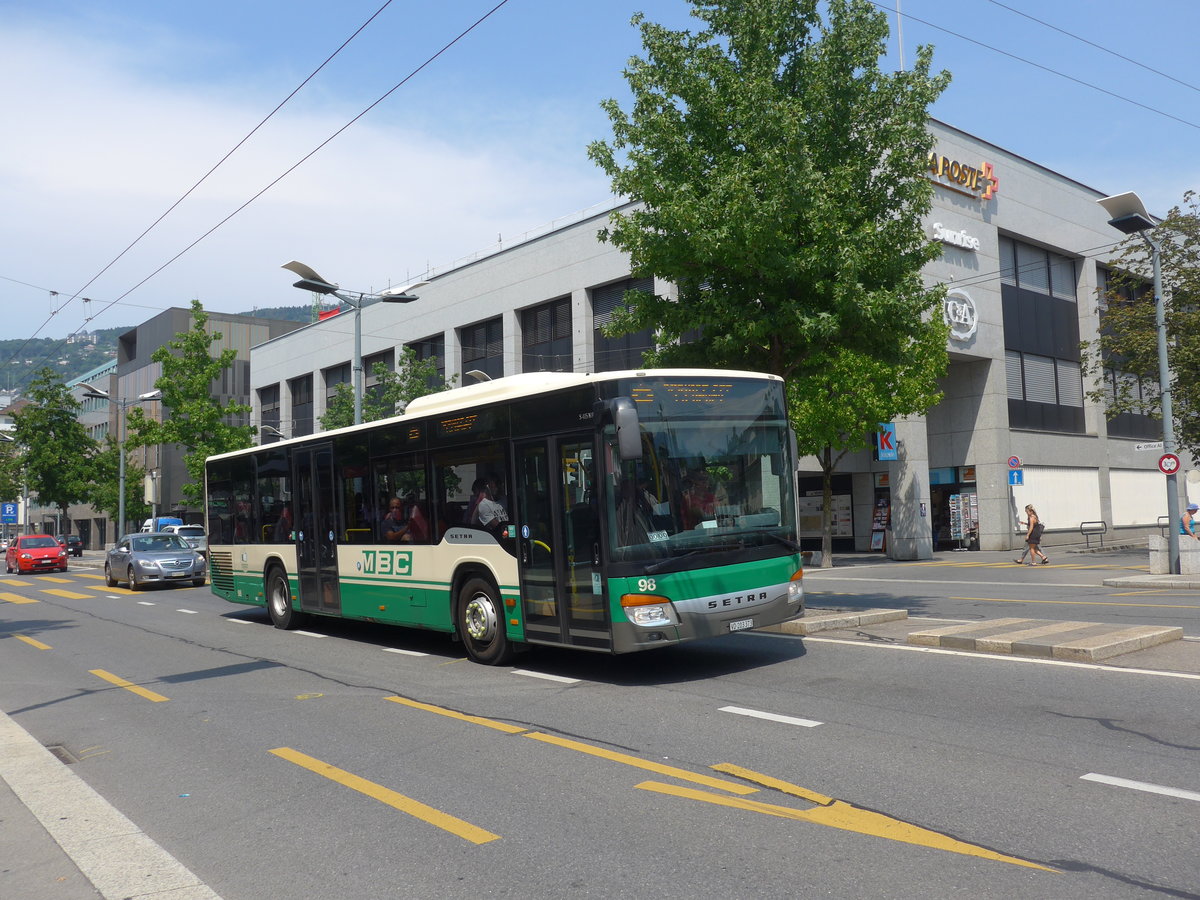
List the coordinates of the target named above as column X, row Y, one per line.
column 1033, row 538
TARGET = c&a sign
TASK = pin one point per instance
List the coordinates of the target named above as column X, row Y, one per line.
column 979, row 181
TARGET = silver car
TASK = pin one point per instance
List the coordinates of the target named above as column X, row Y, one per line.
column 155, row 558
column 193, row 534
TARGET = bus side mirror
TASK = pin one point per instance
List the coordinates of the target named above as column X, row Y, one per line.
column 629, row 436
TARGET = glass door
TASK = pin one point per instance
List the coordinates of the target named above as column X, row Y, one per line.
column 316, row 530
column 558, row 539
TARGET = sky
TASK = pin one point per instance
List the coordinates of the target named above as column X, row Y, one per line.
column 114, row 109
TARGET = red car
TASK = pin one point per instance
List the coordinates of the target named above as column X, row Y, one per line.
column 35, row 553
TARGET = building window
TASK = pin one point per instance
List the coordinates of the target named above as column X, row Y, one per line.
column 483, row 348
column 301, row 390
column 334, row 376
column 268, row 410
column 1041, row 338
column 1140, row 421
column 433, row 348
column 624, row 352
column 372, row 387
column 546, row 337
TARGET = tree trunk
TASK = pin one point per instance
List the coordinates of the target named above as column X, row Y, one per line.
column 826, row 458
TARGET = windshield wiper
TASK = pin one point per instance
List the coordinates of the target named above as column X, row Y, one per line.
column 673, row 564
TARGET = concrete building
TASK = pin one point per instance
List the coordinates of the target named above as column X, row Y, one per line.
column 133, row 374
column 1024, row 257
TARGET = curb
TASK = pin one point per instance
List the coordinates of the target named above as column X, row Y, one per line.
column 1074, row 641
column 815, row 620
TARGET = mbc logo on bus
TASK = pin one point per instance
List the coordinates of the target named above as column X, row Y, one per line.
column 386, row 562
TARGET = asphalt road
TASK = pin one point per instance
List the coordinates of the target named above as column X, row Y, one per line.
column 349, row 761
column 968, row 586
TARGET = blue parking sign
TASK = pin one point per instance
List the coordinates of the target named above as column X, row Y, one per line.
column 8, row 513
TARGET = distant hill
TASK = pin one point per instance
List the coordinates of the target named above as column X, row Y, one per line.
column 20, row 358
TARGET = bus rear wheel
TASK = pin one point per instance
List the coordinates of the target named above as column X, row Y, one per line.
column 279, row 601
column 480, row 619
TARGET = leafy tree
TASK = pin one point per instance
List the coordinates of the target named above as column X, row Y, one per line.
column 105, row 490
column 193, row 418
column 1124, row 359
column 394, row 390
column 12, row 466
column 780, row 183
column 841, row 406
column 55, row 447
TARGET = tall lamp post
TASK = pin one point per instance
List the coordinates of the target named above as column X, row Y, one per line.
column 122, row 405
column 1129, row 216
column 311, row 281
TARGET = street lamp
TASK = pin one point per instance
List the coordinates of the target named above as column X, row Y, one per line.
column 311, row 281
column 122, row 405
column 1129, row 216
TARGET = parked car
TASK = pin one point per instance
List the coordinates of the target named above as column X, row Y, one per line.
column 35, row 553
column 193, row 534
column 72, row 542
column 154, row 558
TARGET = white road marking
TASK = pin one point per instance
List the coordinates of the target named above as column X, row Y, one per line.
column 309, row 633
column 1031, row 660
column 240, row 621
column 855, row 578
column 1141, row 786
column 404, row 652
column 190, row 612
column 543, row 675
column 146, row 603
column 772, row 717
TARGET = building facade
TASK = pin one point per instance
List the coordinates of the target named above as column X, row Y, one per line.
column 134, row 374
column 1024, row 252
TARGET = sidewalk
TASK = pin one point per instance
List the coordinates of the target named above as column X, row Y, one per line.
column 60, row 839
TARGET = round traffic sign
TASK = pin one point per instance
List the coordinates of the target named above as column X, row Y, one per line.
column 1168, row 464
column 1014, row 462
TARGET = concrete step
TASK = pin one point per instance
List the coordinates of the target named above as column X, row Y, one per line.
column 815, row 620
column 1076, row 641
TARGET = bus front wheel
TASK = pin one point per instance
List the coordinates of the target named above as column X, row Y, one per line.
column 279, row 601
column 480, row 618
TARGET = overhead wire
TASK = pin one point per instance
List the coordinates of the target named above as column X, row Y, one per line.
column 412, row 74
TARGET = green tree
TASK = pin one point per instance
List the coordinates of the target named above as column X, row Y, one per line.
column 55, row 447
column 105, row 490
column 841, row 406
column 193, row 418
column 393, row 391
column 12, row 469
column 1123, row 360
column 780, row 183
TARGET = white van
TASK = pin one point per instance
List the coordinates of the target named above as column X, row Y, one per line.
column 193, row 534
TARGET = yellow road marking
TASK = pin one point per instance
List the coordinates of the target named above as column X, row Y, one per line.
column 415, row 808
column 88, row 575
column 109, row 590
column 33, row 642
column 638, row 763
column 70, row 595
column 129, row 686
column 839, row 814
column 475, row 720
column 611, row 755
column 17, row 598
column 1079, row 602
column 18, row 582
column 54, row 580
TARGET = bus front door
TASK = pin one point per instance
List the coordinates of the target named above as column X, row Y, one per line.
column 316, row 535
column 558, row 539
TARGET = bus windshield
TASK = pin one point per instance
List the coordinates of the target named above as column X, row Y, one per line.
column 711, row 486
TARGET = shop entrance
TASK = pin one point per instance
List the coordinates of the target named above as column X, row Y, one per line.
column 954, row 508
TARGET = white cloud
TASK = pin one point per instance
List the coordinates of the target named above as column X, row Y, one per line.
column 101, row 150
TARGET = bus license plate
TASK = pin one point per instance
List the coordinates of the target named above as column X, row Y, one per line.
column 741, row 624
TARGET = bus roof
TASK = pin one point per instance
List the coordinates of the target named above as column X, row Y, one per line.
column 512, row 387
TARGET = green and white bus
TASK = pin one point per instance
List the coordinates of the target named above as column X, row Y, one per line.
column 611, row 512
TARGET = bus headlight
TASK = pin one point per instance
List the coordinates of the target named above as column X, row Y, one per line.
column 647, row 609
column 796, row 587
